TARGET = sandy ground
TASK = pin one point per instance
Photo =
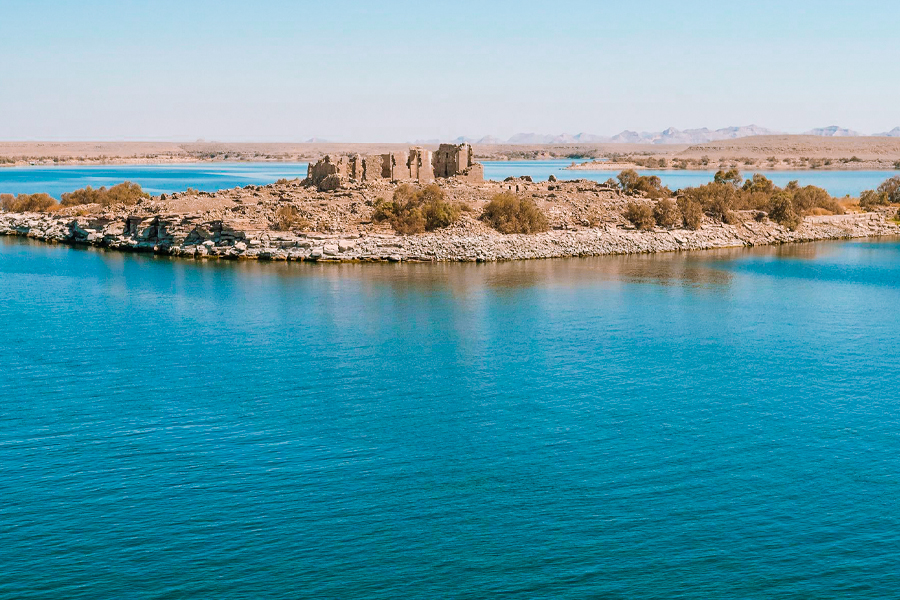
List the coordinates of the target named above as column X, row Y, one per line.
column 761, row 152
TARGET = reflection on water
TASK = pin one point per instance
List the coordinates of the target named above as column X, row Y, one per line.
column 711, row 424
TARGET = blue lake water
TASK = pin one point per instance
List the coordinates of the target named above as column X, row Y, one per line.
column 704, row 425
column 158, row 179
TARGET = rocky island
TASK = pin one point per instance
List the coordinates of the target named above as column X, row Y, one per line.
column 423, row 205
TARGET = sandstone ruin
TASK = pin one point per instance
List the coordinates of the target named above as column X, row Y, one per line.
column 417, row 164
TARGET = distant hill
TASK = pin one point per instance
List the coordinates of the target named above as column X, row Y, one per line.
column 538, row 138
column 690, row 136
column 667, row 136
column 832, row 131
column 895, row 132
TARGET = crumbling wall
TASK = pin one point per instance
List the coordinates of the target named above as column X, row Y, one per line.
column 372, row 167
column 356, row 168
column 420, row 167
column 452, row 160
column 399, row 166
column 473, row 174
column 418, row 164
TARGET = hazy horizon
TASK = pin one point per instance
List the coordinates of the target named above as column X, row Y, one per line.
column 397, row 72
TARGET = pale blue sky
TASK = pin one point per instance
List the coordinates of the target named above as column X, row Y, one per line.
column 271, row 70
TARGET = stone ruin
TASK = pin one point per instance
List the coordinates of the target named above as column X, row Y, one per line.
column 417, row 164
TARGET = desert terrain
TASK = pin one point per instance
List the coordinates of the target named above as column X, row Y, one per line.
column 774, row 152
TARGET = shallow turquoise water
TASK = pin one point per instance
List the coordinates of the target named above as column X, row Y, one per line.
column 706, row 425
column 158, row 179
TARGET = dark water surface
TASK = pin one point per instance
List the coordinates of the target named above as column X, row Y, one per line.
column 706, row 425
column 165, row 179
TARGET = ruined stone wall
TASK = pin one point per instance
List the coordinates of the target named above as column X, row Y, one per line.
column 473, row 174
column 453, row 160
column 400, row 166
column 418, row 164
column 372, row 167
column 420, row 167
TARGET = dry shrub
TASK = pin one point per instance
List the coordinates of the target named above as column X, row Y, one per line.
column 887, row 193
column 722, row 198
column 891, row 187
column 412, row 210
column 28, row 203
column 126, row 193
column 631, row 182
column 782, row 211
column 508, row 213
column 666, row 214
column 640, row 215
column 691, row 212
column 818, row 211
column 287, row 218
column 869, row 199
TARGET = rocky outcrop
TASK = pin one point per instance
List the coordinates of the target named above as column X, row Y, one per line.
column 468, row 240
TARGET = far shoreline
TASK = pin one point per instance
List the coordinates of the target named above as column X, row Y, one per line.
column 770, row 153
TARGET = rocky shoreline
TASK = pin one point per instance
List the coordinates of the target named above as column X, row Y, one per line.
column 192, row 236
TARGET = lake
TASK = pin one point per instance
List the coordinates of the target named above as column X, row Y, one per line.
column 159, row 179
column 706, row 425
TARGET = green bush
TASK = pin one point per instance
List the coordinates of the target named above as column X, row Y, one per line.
column 640, row 215
column 27, row 203
column 666, row 214
column 126, row 193
column 413, row 210
column 508, row 213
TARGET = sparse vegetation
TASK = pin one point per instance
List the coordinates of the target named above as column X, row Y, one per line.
column 416, row 210
column 126, row 193
column 640, row 214
column 509, row 213
column 27, row 203
column 722, row 199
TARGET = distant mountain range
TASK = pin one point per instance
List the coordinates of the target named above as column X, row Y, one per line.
column 895, row 132
column 668, row 136
column 833, row 131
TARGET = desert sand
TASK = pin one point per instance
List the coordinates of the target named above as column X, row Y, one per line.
column 759, row 152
